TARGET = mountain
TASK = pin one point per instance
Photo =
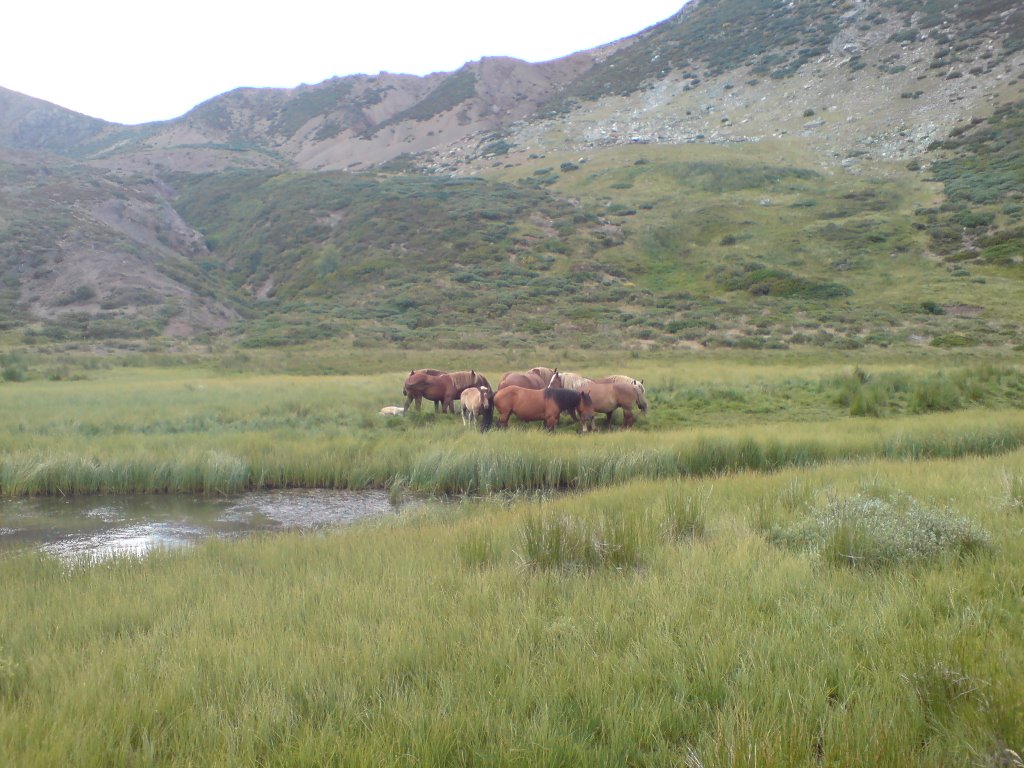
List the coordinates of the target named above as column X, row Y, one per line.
column 748, row 172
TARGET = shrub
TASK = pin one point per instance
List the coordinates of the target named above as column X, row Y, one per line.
column 14, row 372
column 866, row 531
column 953, row 339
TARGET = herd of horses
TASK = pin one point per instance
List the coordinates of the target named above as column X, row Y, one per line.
column 539, row 394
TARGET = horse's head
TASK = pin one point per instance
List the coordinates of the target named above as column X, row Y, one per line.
column 487, row 401
column 586, row 411
column 479, row 380
column 556, row 379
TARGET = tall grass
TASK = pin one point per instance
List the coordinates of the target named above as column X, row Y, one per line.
column 179, row 431
column 423, row 639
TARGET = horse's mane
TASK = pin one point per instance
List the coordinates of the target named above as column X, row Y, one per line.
column 572, row 380
column 463, row 379
column 566, row 398
column 430, row 371
column 544, row 373
column 466, row 379
column 621, row 378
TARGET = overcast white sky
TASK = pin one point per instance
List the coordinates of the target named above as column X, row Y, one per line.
column 130, row 62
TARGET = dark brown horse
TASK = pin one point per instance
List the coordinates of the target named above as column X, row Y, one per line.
column 443, row 388
column 606, row 397
column 535, row 378
column 418, row 398
column 547, row 404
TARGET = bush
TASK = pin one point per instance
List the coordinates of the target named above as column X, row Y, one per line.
column 953, row 339
column 866, row 531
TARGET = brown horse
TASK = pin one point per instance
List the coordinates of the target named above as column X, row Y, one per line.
column 418, row 397
column 442, row 388
column 608, row 396
column 547, row 404
column 477, row 403
column 535, row 378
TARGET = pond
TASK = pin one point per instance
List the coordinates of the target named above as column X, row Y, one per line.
column 96, row 528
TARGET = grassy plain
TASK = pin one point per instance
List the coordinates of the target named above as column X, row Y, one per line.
column 681, row 594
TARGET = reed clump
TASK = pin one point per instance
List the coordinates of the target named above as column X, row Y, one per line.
column 553, row 541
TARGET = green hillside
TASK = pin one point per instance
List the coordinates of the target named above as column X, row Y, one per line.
column 766, row 211
column 638, row 245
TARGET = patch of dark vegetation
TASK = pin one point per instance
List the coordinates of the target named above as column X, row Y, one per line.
column 759, row 280
column 982, row 174
column 892, row 393
column 452, row 91
column 402, row 258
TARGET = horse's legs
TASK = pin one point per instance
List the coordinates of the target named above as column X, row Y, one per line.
column 465, row 412
column 551, row 415
column 627, row 418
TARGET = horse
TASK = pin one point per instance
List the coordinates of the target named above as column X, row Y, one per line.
column 443, row 388
column 416, row 397
column 535, row 378
column 575, row 381
column 463, row 380
column 638, row 383
column 547, row 404
column 607, row 396
column 477, row 402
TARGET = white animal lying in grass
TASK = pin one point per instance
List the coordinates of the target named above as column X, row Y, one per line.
column 392, row 410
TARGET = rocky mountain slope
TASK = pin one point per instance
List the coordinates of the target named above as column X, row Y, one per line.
column 113, row 231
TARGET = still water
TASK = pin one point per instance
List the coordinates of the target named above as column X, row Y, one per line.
column 97, row 528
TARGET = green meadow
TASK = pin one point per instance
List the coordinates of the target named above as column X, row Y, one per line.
column 791, row 560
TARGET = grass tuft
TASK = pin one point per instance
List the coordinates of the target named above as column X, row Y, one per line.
column 684, row 515
column 562, row 542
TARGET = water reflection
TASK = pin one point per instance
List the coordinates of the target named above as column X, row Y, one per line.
column 96, row 528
